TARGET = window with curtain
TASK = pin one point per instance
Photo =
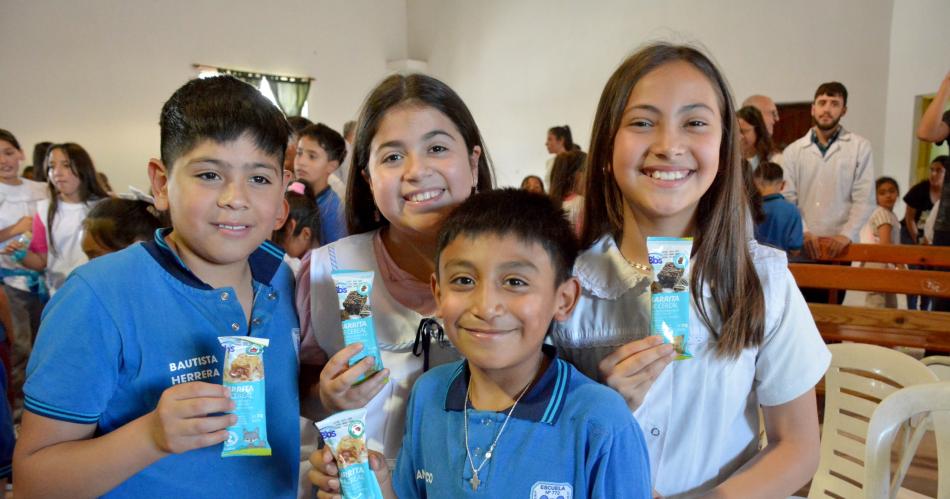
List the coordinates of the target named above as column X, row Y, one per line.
column 289, row 93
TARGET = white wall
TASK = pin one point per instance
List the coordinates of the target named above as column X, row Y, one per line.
column 920, row 58
column 528, row 65
column 97, row 72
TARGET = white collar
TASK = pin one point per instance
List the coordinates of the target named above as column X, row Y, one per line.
column 605, row 272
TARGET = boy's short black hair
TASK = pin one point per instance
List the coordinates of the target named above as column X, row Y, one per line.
column 221, row 108
column 769, row 173
column 328, row 138
column 298, row 123
column 532, row 217
column 832, row 89
column 943, row 159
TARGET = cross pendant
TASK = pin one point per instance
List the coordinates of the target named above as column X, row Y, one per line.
column 475, row 481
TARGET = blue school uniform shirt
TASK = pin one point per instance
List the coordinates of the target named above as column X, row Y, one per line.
column 332, row 225
column 569, row 437
column 129, row 325
column 782, row 227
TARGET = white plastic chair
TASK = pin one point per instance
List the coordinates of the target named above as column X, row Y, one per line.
column 939, row 364
column 859, row 378
column 898, row 410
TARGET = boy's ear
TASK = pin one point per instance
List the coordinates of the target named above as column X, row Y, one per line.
column 565, row 298
column 333, row 165
column 437, row 293
column 158, row 176
column 781, row 185
column 305, row 232
column 282, row 214
column 288, row 178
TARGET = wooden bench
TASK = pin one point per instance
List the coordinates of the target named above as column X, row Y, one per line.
column 881, row 326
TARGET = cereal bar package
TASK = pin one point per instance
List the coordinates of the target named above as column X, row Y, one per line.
column 244, row 376
column 353, row 289
column 344, row 433
column 669, row 302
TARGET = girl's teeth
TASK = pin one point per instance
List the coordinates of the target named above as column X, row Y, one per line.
column 232, row 227
column 423, row 196
column 661, row 175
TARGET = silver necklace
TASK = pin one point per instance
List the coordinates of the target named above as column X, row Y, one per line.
column 474, row 480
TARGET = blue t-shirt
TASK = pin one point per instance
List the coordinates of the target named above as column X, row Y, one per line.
column 128, row 325
column 782, row 227
column 568, row 437
column 332, row 225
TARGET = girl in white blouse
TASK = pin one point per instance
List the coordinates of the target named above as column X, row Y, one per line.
column 664, row 161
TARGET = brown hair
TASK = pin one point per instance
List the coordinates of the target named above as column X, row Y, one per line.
column 721, row 259
column 564, row 172
column 763, row 141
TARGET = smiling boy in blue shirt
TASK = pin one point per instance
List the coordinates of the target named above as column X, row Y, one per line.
column 513, row 420
column 123, row 390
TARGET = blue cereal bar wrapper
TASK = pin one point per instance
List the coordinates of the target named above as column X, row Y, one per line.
column 244, row 376
column 345, row 434
column 353, row 289
column 669, row 301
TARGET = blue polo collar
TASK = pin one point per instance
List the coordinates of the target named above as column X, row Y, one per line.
column 770, row 197
column 542, row 404
column 264, row 261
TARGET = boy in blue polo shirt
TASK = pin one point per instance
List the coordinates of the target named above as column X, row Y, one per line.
column 320, row 150
column 123, row 390
column 513, row 420
column 782, row 227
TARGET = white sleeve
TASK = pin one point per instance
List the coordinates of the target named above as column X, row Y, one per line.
column 793, row 357
column 862, row 192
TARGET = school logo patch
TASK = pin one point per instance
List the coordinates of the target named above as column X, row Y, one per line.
column 551, row 490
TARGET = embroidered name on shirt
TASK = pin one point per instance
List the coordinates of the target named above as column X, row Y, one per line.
column 192, row 363
column 424, row 475
column 551, row 490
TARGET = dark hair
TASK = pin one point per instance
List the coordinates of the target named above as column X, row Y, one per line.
column 414, row 89
column 833, row 89
column 756, row 201
column 116, row 223
column 220, row 108
column 5, row 135
column 763, row 141
column 563, row 133
column 524, row 181
column 80, row 163
column 943, row 159
column 40, row 151
column 298, row 123
column 769, row 172
column 539, row 221
column 886, row 180
column 28, row 171
column 303, row 211
column 567, row 165
column 722, row 263
column 328, row 138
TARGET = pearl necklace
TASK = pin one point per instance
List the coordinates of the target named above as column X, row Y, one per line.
column 474, row 480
